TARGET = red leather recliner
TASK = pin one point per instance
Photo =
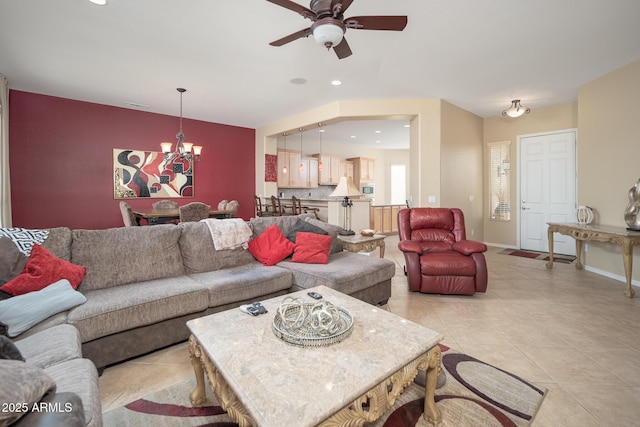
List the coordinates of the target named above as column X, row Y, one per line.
column 438, row 257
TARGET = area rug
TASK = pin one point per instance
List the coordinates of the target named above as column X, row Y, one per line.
column 475, row 394
column 542, row 256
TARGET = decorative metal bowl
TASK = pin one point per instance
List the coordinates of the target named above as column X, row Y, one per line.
column 318, row 324
column 368, row 232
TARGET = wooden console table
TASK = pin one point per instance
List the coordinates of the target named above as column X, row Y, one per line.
column 626, row 239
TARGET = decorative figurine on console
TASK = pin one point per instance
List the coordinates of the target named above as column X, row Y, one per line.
column 632, row 213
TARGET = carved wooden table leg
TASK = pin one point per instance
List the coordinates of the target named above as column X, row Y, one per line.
column 381, row 248
column 579, row 244
column 550, row 238
column 627, row 257
column 198, row 394
column 431, row 412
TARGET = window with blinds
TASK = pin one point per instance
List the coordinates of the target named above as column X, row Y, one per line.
column 499, row 183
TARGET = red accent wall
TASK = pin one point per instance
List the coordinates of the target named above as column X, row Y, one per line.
column 61, row 158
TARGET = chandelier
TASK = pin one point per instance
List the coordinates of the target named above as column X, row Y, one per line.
column 183, row 148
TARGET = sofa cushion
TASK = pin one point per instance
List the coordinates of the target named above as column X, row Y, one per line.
column 59, row 242
column 41, row 270
column 311, row 248
column 12, row 261
column 118, row 256
column 242, row 283
column 28, row 385
column 124, row 307
column 199, row 254
column 45, row 348
column 346, row 272
column 24, row 311
column 79, row 376
column 271, row 246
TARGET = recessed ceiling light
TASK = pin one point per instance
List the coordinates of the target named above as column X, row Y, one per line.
column 321, row 130
column 99, row 2
column 298, row 81
column 378, row 142
column 136, row 105
column 378, row 131
column 407, row 125
column 336, row 82
column 353, row 136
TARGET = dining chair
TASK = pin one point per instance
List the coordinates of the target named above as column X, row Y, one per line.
column 261, row 210
column 128, row 217
column 194, row 211
column 276, row 207
column 164, row 205
column 297, row 208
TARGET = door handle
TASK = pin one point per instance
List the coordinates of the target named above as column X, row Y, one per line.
column 524, row 209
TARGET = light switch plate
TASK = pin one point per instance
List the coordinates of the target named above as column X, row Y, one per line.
column 432, row 199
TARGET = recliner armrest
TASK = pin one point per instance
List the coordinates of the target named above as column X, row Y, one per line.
column 468, row 247
column 410, row 246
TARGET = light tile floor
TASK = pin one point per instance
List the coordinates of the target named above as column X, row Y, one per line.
column 573, row 332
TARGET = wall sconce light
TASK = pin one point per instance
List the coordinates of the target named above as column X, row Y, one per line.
column 182, row 148
column 516, row 110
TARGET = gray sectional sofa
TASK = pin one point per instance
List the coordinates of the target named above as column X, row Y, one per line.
column 143, row 283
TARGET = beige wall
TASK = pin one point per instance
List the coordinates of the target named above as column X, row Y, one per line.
column 499, row 128
column 609, row 156
column 461, row 166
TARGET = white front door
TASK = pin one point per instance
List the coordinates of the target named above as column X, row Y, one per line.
column 547, row 189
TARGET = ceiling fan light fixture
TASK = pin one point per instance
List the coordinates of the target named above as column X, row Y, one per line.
column 328, row 34
column 516, row 109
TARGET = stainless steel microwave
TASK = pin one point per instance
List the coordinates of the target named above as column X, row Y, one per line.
column 367, row 189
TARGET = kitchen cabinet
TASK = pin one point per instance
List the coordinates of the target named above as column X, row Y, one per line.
column 330, row 173
column 346, row 169
column 384, row 218
column 364, row 169
column 309, row 173
column 290, row 159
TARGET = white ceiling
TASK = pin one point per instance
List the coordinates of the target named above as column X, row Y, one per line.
column 477, row 55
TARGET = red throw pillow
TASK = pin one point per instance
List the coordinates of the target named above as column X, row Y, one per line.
column 311, row 248
column 41, row 270
column 271, row 247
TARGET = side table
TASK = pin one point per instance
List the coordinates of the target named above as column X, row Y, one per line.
column 358, row 243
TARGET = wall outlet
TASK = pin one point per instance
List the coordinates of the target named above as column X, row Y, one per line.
column 432, row 199
column 471, row 198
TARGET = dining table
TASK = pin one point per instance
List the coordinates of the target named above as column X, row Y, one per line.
column 154, row 217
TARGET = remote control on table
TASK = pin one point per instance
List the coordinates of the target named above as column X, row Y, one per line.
column 314, row 295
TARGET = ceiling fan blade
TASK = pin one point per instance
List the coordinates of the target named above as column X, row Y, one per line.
column 390, row 23
column 345, row 5
column 288, row 4
column 291, row 37
column 342, row 49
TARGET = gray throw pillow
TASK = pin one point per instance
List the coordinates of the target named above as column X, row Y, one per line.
column 307, row 227
column 8, row 350
column 12, row 261
column 28, row 385
column 333, row 230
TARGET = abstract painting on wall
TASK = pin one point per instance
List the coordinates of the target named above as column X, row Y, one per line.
column 138, row 173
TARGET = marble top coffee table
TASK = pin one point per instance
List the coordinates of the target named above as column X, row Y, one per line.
column 262, row 381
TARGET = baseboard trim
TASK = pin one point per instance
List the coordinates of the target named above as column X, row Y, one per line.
column 611, row 275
